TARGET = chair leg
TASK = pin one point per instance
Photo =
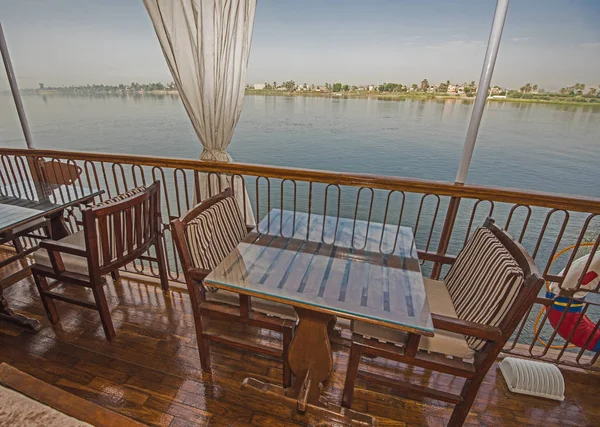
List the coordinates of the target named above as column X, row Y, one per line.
column 203, row 345
column 103, row 310
column 17, row 245
column 204, row 351
column 18, row 249
column 288, row 334
column 468, row 393
column 47, row 231
column 48, row 303
column 351, row 374
column 115, row 275
column 162, row 265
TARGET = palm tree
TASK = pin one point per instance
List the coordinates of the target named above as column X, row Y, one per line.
column 592, row 91
column 424, row 85
column 535, row 88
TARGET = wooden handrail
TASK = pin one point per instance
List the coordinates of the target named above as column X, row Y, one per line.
column 497, row 194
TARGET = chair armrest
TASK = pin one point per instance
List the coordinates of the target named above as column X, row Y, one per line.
column 198, row 273
column 55, row 248
column 465, row 327
column 432, row 256
column 67, row 248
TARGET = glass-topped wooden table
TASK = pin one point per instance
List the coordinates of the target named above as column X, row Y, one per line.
column 326, row 267
column 22, row 207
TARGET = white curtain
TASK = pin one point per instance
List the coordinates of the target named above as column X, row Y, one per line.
column 206, row 44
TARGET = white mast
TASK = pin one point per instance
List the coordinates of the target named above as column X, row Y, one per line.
column 482, row 91
column 15, row 90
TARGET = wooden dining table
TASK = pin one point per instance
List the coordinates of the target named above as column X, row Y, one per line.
column 24, row 206
column 327, row 267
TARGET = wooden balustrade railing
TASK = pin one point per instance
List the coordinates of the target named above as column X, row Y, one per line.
column 442, row 214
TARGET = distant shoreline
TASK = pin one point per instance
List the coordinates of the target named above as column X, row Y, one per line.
column 405, row 96
column 45, row 92
column 342, row 95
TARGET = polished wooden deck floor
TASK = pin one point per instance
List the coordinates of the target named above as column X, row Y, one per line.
column 151, row 371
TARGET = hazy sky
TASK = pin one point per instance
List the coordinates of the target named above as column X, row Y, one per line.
column 549, row 42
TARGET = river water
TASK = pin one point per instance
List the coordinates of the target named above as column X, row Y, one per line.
column 543, row 147
column 532, row 146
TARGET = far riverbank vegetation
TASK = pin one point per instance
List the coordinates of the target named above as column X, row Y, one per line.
column 576, row 94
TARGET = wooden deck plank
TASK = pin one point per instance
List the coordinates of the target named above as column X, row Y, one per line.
column 151, row 371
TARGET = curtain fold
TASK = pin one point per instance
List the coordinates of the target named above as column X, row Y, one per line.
column 206, row 44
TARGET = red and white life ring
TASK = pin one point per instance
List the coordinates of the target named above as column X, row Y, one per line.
column 576, row 327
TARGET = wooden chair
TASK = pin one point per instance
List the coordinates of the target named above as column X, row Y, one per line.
column 115, row 233
column 51, row 172
column 55, row 172
column 490, row 286
column 204, row 237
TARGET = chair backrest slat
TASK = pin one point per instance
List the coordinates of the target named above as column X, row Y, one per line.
column 126, row 225
column 104, row 239
column 129, row 229
column 138, row 211
column 117, row 234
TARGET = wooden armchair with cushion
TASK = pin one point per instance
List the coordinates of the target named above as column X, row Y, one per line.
column 204, row 237
column 115, row 232
column 490, row 286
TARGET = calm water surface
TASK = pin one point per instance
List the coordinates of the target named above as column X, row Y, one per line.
column 532, row 146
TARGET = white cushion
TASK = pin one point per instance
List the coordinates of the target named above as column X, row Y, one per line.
column 259, row 305
column 73, row 264
column 443, row 342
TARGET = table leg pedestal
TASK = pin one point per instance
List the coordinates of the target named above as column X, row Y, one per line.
column 58, row 228
column 311, row 360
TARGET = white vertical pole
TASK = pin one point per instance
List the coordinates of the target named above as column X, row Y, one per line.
column 15, row 90
column 482, row 91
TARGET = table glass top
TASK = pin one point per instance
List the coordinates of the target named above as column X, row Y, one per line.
column 23, row 201
column 354, row 269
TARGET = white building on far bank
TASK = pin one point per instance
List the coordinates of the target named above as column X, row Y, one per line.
column 259, row 86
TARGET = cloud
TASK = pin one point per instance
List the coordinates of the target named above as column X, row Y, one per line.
column 520, row 39
column 593, row 45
